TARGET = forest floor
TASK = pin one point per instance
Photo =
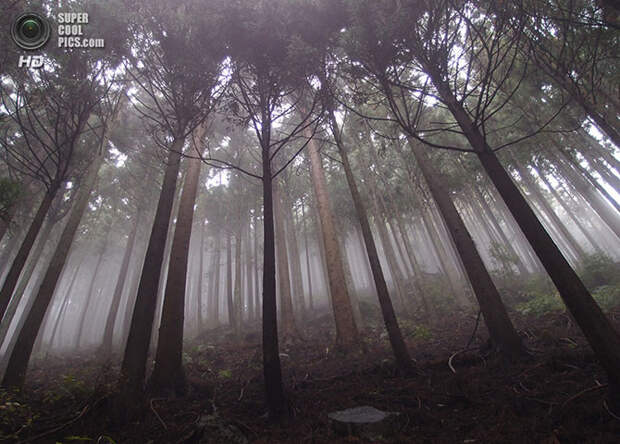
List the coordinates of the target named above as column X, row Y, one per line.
column 556, row 396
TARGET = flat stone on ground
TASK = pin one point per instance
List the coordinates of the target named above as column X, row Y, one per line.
column 364, row 421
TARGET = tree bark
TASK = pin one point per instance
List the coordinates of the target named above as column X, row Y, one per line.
column 346, row 330
column 12, row 277
column 272, row 372
column 288, row 330
column 62, row 308
column 395, row 336
column 168, row 373
column 501, row 330
column 25, row 279
column 133, row 367
column 601, row 335
column 108, row 332
column 18, row 362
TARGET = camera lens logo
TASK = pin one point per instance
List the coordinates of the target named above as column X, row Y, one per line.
column 31, row 31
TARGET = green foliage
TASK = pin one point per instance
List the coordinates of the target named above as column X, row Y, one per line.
column 598, row 269
column 225, row 374
column 540, row 304
column 606, row 296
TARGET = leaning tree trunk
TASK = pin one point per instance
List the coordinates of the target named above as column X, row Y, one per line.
column 25, row 279
column 500, row 327
column 108, row 332
column 18, row 362
column 346, row 330
column 133, row 368
column 387, row 310
column 62, row 308
column 12, row 277
column 601, row 335
column 168, row 373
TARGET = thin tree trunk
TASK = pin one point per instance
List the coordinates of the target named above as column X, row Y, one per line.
column 288, row 331
column 214, row 314
column 496, row 318
column 63, row 307
column 229, row 287
column 387, row 310
column 569, row 212
column 199, row 285
column 237, row 292
column 308, row 267
column 248, row 274
column 108, row 332
column 528, row 180
column 18, row 362
column 291, row 240
column 346, row 330
column 487, row 210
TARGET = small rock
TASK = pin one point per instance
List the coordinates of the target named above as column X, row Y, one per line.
column 364, row 421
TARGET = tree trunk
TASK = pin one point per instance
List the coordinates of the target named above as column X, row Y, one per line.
column 308, row 267
column 18, row 362
column 387, row 310
column 248, row 274
column 346, row 330
column 256, row 282
column 272, row 371
column 168, row 373
column 487, row 209
column 12, row 277
column 63, row 307
column 133, row 367
column 528, row 180
column 570, row 213
column 291, row 240
column 601, row 335
column 237, row 292
column 496, row 318
column 288, row 330
column 214, row 313
column 229, row 285
column 89, row 297
column 108, row 332
column 199, row 284
column 25, row 279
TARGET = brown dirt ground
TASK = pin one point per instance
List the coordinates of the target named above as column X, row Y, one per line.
column 556, row 396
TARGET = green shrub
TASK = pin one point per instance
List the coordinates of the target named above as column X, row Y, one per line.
column 597, row 270
column 540, row 304
column 607, row 296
